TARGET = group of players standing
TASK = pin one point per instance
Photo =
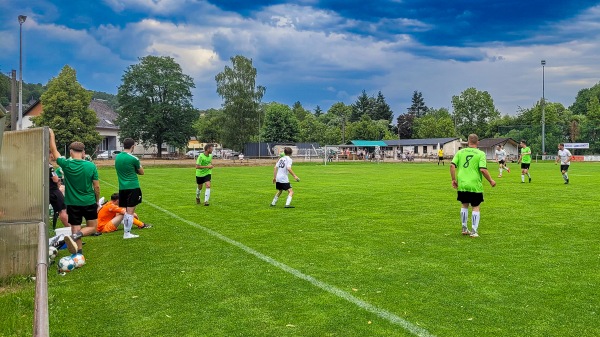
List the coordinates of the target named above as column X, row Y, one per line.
column 82, row 191
column 469, row 165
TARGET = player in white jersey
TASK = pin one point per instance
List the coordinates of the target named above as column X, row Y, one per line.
column 281, row 179
column 564, row 156
column 501, row 159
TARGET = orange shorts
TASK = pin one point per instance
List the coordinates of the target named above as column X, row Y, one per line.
column 106, row 227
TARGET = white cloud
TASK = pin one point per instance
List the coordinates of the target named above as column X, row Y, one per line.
column 153, row 6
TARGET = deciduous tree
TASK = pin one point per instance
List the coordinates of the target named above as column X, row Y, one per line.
column 281, row 125
column 241, row 101
column 473, row 111
column 66, row 110
column 155, row 101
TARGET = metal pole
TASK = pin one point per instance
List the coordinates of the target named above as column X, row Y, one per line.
column 22, row 19
column 13, row 100
column 543, row 110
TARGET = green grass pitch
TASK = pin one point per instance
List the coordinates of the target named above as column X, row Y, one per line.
column 386, row 234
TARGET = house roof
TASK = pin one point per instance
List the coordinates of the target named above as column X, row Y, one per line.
column 416, row 142
column 106, row 114
column 491, row 142
column 368, row 143
column 31, row 106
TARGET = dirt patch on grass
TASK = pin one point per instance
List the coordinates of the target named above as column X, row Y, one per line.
column 191, row 162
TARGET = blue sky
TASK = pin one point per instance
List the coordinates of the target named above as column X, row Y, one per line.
column 320, row 52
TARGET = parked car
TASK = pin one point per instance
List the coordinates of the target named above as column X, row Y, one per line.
column 114, row 153
column 193, row 154
column 102, row 155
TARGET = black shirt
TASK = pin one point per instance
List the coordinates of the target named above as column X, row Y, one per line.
column 53, row 185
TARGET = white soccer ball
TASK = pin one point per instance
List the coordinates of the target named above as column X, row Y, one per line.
column 79, row 260
column 52, row 252
column 66, row 264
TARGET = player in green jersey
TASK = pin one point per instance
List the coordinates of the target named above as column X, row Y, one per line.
column 466, row 170
column 204, row 168
column 130, row 194
column 82, row 192
column 525, row 160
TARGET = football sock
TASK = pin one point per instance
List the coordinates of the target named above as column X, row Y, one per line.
column 475, row 219
column 289, row 200
column 522, row 178
column 137, row 222
column 464, row 215
column 207, row 195
column 501, row 171
column 565, row 176
column 127, row 222
column 198, row 192
column 275, row 200
column 528, row 175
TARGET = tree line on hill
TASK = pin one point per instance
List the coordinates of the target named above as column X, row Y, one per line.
column 154, row 105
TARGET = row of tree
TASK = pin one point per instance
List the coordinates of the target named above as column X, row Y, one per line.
column 154, row 104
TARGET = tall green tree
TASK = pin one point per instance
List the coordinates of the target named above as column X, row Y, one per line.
column 209, row 126
column 66, row 110
column 473, row 111
column 580, row 105
column 435, row 124
column 312, row 130
column 299, row 111
column 381, row 109
column 318, row 111
column 155, row 101
column 405, row 125
column 338, row 116
column 364, row 105
column 281, row 124
column 418, row 107
column 241, row 101
column 365, row 129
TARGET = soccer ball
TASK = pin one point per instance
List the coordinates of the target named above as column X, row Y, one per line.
column 52, row 252
column 79, row 260
column 66, row 264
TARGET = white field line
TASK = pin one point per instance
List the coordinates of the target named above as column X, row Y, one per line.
column 388, row 316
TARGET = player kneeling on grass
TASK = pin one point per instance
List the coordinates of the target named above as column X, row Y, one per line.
column 281, row 179
column 466, row 170
column 111, row 216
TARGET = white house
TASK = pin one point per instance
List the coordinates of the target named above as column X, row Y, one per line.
column 488, row 145
column 425, row 147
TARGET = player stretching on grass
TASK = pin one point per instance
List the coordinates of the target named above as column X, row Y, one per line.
column 501, row 159
column 564, row 156
column 470, row 163
column 525, row 160
column 111, row 216
column 204, row 168
column 281, row 179
column 82, row 192
column 130, row 194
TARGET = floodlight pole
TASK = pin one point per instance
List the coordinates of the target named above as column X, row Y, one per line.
column 22, row 19
column 543, row 110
